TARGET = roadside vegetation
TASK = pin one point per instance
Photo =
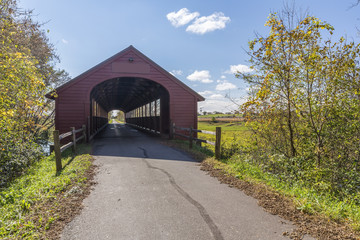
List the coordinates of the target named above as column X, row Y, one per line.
column 32, row 195
column 31, row 205
column 318, row 211
column 300, row 130
column 303, row 113
column 27, row 73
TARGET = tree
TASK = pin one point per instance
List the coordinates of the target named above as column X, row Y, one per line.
column 27, row 73
column 304, row 101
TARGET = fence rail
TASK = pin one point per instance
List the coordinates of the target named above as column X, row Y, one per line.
column 191, row 138
column 58, row 149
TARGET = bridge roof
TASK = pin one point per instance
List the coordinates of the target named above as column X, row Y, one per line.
column 117, row 56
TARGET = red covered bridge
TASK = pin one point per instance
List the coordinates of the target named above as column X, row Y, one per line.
column 129, row 81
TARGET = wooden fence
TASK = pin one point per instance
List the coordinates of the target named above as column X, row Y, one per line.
column 59, row 149
column 191, row 138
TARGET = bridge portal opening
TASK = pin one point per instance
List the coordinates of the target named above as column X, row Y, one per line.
column 130, row 82
column 144, row 103
column 116, row 116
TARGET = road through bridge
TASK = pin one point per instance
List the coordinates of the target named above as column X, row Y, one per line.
column 147, row 190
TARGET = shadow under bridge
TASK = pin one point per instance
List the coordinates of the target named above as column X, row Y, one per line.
column 145, row 104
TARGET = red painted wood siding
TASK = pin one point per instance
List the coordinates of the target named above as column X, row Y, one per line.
column 73, row 102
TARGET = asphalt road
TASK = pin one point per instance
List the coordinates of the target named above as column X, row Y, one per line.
column 147, row 190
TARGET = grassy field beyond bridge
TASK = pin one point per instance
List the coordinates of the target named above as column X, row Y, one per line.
column 233, row 133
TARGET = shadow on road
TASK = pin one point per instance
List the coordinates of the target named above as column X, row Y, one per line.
column 121, row 140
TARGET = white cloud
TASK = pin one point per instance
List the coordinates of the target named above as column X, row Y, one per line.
column 206, row 92
column 223, row 77
column 221, row 105
column 201, row 76
column 239, row 68
column 225, row 86
column 64, row 41
column 214, row 101
column 216, row 96
column 176, row 72
column 181, row 17
column 207, row 24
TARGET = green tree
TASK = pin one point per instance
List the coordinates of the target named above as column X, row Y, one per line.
column 304, row 101
column 27, row 73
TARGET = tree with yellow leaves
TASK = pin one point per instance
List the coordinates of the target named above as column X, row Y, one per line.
column 305, row 103
column 27, row 73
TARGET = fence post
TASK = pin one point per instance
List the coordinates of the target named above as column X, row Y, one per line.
column 73, row 138
column 191, row 138
column 84, row 132
column 218, row 143
column 57, row 151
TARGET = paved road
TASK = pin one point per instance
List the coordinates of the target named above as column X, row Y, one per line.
column 148, row 191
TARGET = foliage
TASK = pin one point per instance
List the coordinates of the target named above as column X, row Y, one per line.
column 304, row 104
column 302, row 133
column 27, row 73
column 116, row 116
column 21, row 201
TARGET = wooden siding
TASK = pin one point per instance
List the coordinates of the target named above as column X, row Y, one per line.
column 73, row 101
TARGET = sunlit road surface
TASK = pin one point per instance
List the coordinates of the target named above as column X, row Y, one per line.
column 147, row 190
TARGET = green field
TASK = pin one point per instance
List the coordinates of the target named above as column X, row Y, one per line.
column 233, row 134
column 226, row 127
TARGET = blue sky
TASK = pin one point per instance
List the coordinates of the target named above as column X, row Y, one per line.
column 200, row 42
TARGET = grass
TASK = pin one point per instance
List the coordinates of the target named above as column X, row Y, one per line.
column 40, row 185
column 227, row 127
column 232, row 133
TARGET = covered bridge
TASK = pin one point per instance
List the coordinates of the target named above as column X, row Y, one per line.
column 129, row 81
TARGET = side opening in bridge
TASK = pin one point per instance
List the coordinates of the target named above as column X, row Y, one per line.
column 145, row 104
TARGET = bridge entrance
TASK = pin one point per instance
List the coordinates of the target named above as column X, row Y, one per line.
column 150, row 96
column 144, row 102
